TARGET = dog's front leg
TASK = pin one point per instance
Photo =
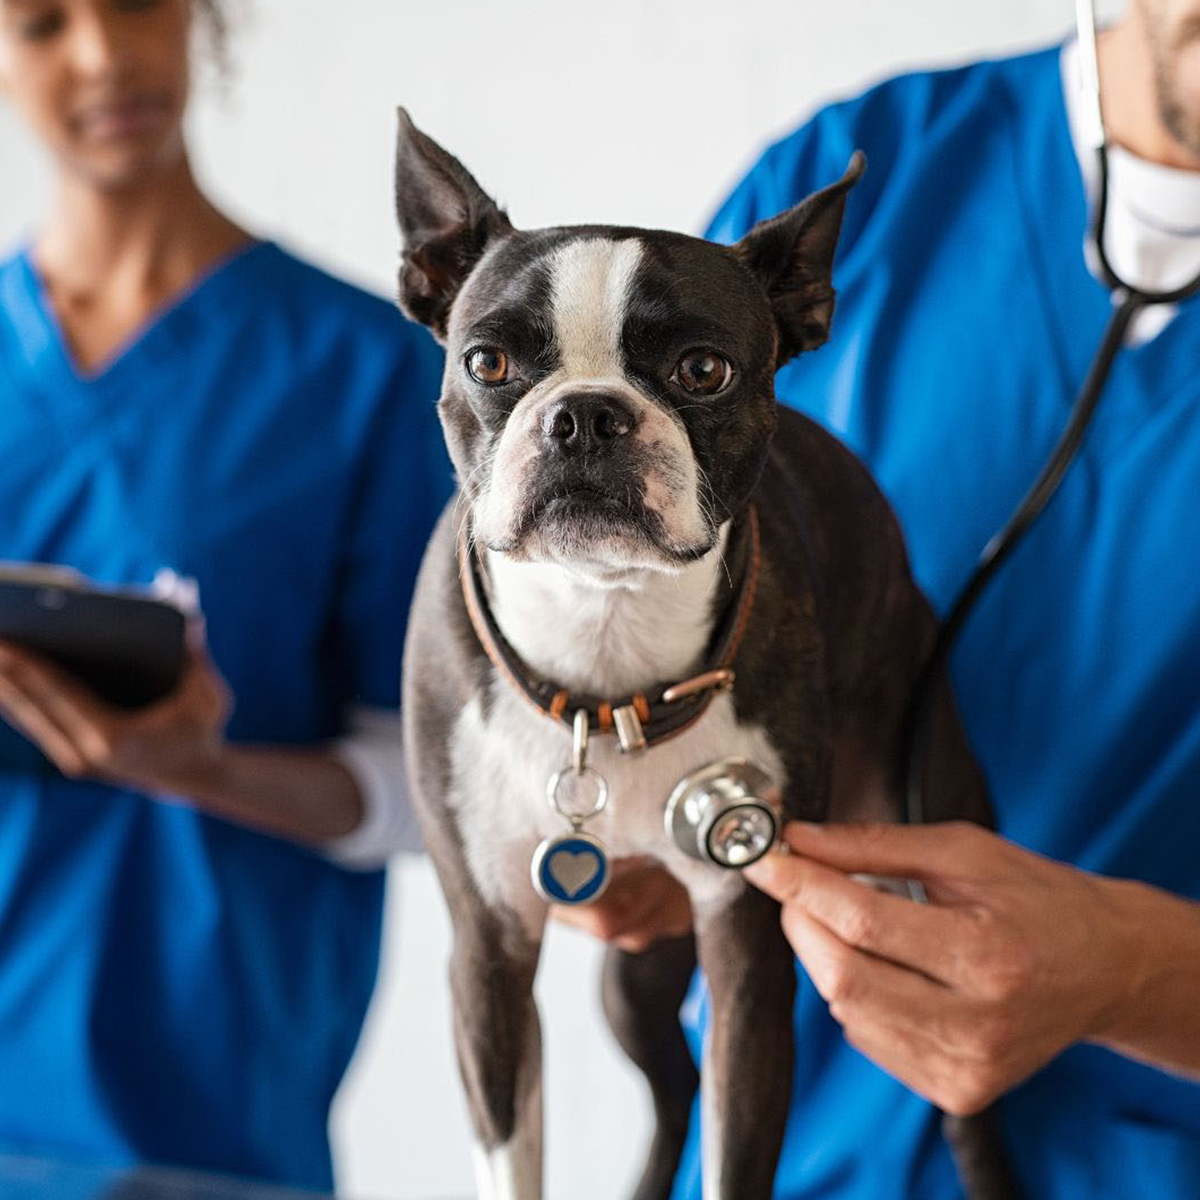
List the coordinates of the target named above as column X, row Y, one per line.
column 499, row 1044
column 746, row 1075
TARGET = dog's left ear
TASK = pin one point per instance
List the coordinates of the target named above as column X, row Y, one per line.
column 792, row 255
column 446, row 220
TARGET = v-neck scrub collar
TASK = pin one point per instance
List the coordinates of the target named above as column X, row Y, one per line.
column 42, row 343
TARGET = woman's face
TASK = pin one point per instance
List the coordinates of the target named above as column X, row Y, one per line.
column 102, row 82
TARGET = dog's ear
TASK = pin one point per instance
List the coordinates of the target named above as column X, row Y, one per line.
column 446, row 220
column 792, row 255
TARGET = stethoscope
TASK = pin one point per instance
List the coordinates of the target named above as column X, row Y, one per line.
column 1128, row 301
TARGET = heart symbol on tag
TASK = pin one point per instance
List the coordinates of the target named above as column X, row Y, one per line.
column 573, row 870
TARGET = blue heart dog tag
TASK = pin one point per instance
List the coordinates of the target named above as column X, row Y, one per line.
column 570, row 870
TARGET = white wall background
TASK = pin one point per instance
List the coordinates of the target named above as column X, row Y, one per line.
column 631, row 111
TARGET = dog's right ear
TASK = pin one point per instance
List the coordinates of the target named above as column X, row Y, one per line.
column 446, row 220
column 792, row 255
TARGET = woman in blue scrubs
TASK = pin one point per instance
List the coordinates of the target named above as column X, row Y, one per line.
column 186, row 955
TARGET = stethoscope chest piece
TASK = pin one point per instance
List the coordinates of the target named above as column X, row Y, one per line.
column 726, row 813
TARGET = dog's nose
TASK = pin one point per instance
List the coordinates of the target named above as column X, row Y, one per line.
column 585, row 423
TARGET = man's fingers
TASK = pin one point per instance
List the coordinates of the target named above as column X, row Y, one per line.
column 940, row 850
column 852, row 980
column 922, row 1069
column 904, row 1023
column 927, row 938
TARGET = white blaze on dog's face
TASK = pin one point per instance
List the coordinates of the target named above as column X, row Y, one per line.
column 609, row 396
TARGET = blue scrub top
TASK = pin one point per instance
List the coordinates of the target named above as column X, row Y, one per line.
column 174, row 988
column 965, row 322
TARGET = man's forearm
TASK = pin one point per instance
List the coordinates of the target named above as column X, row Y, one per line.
column 1158, row 1018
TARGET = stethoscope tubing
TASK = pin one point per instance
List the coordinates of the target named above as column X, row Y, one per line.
column 1128, row 301
column 1001, row 546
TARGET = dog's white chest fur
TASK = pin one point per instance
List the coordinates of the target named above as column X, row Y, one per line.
column 500, row 771
column 607, row 645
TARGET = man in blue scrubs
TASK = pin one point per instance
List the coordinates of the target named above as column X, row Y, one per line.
column 967, row 314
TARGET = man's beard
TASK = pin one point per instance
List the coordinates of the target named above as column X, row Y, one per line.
column 1182, row 120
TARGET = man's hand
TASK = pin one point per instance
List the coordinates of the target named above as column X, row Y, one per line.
column 642, row 903
column 1015, row 957
column 166, row 747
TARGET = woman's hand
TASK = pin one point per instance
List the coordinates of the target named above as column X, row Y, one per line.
column 642, row 904
column 1014, row 958
column 177, row 748
column 167, row 747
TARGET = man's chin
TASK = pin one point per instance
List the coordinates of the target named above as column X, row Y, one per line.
column 1188, row 99
column 1177, row 82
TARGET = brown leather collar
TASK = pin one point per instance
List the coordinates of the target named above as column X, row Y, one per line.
column 647, row 717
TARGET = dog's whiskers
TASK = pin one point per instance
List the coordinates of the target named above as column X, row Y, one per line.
column 706, row 500
column 464, row 488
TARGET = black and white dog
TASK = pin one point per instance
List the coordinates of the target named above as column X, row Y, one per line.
column 645, row 549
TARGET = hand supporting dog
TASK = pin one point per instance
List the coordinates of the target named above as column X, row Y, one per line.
column 644, row 904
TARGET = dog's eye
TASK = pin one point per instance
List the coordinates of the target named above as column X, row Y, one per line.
column 488, row 366
column 702, row 372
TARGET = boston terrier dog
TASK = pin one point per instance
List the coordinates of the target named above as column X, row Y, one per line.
column 663, row 615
